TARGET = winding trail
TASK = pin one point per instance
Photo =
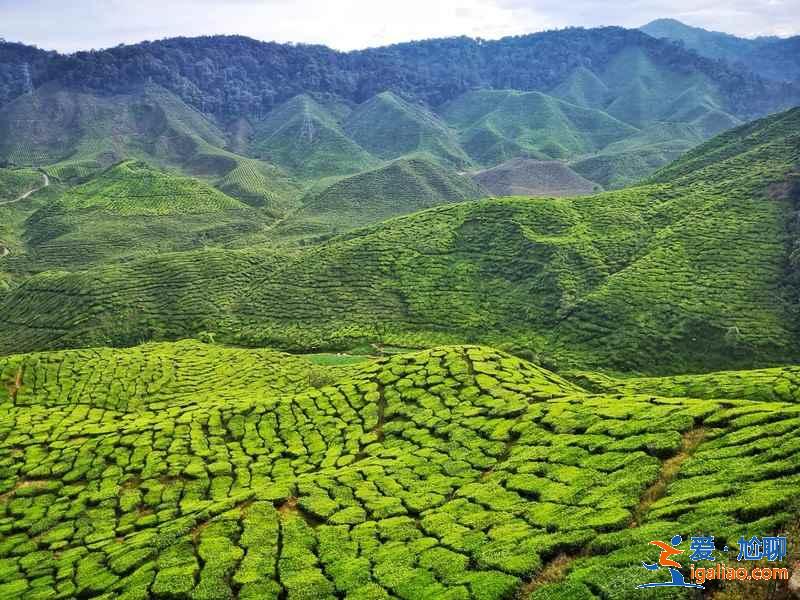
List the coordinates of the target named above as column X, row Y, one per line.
column 45, row 183
column 4, row 250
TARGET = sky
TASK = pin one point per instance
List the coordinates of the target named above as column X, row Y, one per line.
column 352, row 24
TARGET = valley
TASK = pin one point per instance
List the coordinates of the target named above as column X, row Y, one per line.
column 453, row 319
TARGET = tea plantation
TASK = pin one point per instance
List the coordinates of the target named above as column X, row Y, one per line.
column 279, row 322
column 689, row 272
column 194, row 471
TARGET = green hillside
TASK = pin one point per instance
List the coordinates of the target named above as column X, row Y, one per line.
column 133, row 188
column 527, row 177
column 645, row 91
column 130, row 209
column 77, row 134
column 498, row 125
column 403, row 186
column 625, row 162
column 305, row 139
column 389, row 127
column 685, row 274
column 779, row 384
column 54, row 124
column 584, row 88
column 16, row 182
column 459, row 473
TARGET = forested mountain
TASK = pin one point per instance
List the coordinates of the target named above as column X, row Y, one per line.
column 234, row 75
column 769, row 56
column 263, row 120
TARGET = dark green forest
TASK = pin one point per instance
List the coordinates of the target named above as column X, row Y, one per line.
column 234, row 75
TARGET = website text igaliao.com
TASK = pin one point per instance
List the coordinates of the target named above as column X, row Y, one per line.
column 721, row 572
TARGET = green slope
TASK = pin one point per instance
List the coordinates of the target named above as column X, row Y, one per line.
column 16, row 182
column 628, row 161
column 403, row 186
column 131, row 209
column 389, row 127
column 527, row 177
column 457, row 473
column 76, row 134
column 688, row 273
column 584, row 88
column 780, row 384
column 305, row 139
column 133, row 188
column 644, row 91
column 498, row 125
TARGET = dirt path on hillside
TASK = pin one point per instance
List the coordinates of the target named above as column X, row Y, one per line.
column 5, row 250
column 27, row 194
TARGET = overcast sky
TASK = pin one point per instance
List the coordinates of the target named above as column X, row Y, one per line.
column 347, row 24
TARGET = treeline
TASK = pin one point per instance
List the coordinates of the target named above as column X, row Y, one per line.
column 234, row 75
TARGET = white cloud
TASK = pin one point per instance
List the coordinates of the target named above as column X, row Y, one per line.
column 348, row 24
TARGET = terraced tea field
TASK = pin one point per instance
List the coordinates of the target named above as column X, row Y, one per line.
column 780, row 384
column 193, row 471
column 133, row 188
column 690, row 272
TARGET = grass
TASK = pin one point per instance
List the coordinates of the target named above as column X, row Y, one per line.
column 191, row 470
column 328, row 359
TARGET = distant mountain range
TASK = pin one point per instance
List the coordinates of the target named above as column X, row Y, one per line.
column 769, row 56
column 263, row 121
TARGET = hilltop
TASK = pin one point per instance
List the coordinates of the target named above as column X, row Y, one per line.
column 306, row 139
column 769, row 56
column 129, row 209
column 389, row 127
column 133, row 188
column 689, row 272
column 77, row 134
column 527, row 177
column 260, row 122
column 460, row 472
column 402, row 186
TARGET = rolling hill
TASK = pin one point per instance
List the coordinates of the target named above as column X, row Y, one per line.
column 489, row 398
column 769, row 56
column 14, row 183
column 390, row 127
column 400, row 187
column 498, row 125
column 133, row 188
column 76, row 134
column 242, row 114
column 164, row 471
column 686, row 273
column 130, row 209
column 305, row 139
column 527, row 177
